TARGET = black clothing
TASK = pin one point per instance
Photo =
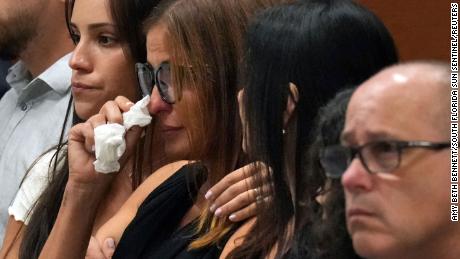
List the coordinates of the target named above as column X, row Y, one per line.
column 154, row 232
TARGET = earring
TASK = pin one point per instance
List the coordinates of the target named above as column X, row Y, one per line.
column 283, row 131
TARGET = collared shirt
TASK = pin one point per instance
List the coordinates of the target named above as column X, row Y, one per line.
column 4, row 65
column 32, row 114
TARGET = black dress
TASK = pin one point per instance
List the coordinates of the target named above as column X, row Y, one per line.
column 154, row 232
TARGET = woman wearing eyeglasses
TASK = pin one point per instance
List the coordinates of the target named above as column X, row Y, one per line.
column 321, row 48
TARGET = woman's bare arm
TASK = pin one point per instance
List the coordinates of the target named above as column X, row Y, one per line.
column 12, row 239
column 115, row 227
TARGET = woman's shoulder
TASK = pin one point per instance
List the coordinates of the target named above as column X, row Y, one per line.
column 151, row 183
column 160, row 176
column 238, row 237
column 32, row 186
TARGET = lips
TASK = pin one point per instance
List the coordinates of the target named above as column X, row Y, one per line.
column 170, row 129
column 80, row 87
column 358, row 212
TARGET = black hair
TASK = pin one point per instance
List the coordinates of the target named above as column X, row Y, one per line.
column 321, row 46
column 326, row 236
column 128, row 15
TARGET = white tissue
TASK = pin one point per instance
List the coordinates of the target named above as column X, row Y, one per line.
column 109, row 138
column 110, row 146
column 138, row 114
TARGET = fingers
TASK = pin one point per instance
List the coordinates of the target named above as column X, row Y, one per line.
column 248, row 211
column 113, row 110
column 243, row 205
column 245, row 213
column 239, row 201
column 94, row 250
column 108, row 247
column 238, row 192
column 238, row 195
column 82, row 134
column 123, row 103
column 229, row 180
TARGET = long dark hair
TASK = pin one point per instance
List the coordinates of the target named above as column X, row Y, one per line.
column 128, row 15
column 320, row 46
column 327, row 237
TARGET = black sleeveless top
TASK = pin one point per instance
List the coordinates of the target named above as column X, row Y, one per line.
column 154, row 232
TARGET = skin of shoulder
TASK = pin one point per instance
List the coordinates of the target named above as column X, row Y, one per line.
column 12, row 239
column 115, row 226
column 237, row 238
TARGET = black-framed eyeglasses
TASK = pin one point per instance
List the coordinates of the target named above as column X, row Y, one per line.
column 149, row 77
column 376, row 157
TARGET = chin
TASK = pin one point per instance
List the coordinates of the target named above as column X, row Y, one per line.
column 371, row 247
column 84, row 110
column 176, row 152
column 83, row 114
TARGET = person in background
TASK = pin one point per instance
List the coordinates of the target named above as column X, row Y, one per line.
column 34, row 32
column 330, row 238
column 321, row 48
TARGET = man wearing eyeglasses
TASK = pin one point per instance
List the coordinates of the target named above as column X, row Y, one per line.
column 396, row 146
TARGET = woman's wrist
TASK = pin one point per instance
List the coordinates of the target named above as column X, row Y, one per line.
column 84, row 194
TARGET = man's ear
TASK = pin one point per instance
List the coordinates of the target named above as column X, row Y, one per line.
column 293, row 98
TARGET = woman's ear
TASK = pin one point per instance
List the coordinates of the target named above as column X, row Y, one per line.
column 293, row 98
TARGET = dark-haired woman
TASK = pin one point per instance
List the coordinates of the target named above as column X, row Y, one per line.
column 321, row 47
column 331, row 239
column 94, row 82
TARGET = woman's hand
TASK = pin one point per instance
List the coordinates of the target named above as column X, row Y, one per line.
column 81, row 143
column 238, row 193
column 95, row 251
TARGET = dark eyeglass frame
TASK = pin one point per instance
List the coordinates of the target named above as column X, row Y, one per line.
column 147, row 86
column 400, row 146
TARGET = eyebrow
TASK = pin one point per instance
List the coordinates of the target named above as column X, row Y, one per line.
column 349, row 137
column 96, row 25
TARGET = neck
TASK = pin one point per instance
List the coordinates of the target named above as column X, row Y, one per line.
column 49, row 45
column 447, row 246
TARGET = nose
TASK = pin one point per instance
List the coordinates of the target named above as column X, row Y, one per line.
column 80, row 59
column 157, row 104
column 356, row 178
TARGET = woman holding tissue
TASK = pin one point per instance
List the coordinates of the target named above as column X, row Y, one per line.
column 194, row 100
column 98, row 40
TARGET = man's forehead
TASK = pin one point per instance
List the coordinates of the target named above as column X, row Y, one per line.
column 390, row 103
column 394, row 85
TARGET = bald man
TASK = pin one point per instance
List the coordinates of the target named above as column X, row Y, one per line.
column 397, row 184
